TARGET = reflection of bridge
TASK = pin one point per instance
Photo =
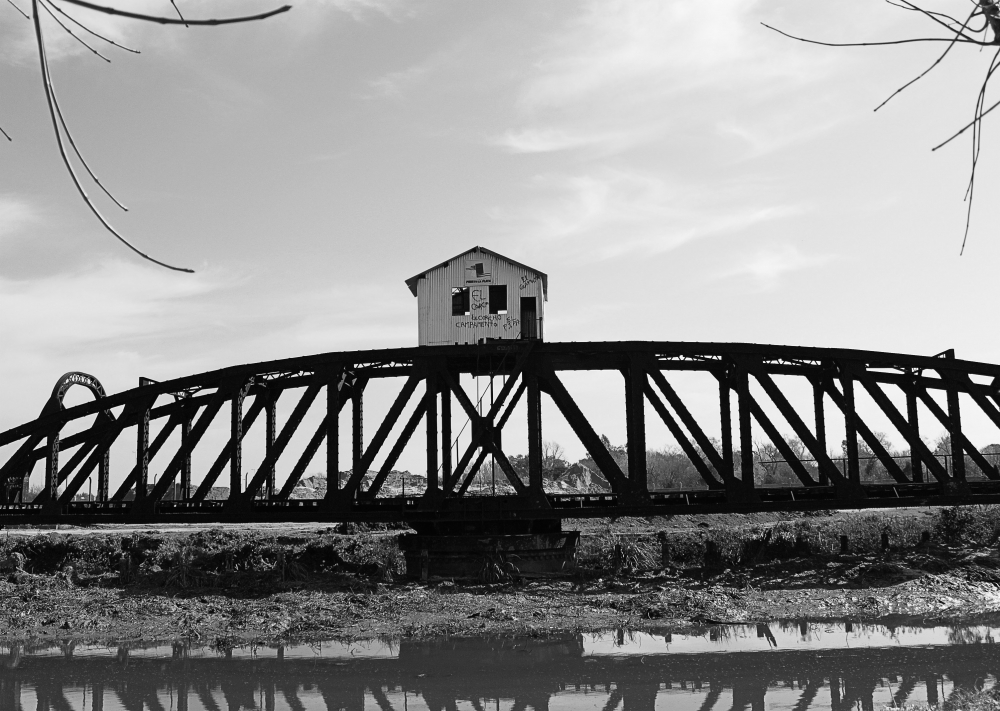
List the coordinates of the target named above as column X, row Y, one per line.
column 802, row 391
column 520, row 673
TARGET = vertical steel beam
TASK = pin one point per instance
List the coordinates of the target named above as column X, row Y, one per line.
column 746, row 433
column 103, row 475
column 52, row 466
column 957, row 453
column 333, row 436
column 142, row 457
column 271, row 411
column 850, row 430
column 916, row 465
column 186, row 464
column 236, row 436
column 445, row 434
column 432, row 433
column 635, row 425
column 824, row 477
column 726, row 416
column 357, row 430
column 535, row 458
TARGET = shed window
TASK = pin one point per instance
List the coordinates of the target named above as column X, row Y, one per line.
column 460, row 301
column 498, row 299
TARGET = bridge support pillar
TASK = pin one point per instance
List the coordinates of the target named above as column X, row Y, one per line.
column 490, row 551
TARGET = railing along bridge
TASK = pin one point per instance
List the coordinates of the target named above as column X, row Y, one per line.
column 759, row 395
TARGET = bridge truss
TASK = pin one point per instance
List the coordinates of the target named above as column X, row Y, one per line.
column 759, row 396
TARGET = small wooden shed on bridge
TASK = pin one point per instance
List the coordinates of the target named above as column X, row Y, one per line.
column 479, row 296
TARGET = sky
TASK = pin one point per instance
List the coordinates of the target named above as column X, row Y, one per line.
column 679, row 171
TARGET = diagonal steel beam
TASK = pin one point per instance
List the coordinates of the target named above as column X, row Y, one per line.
column 902, row 424
column 470, row 477
column 484, row 451
column 480, row 424
column 67, row 469
column 798, row 468
column 847, row 408
column 552, row 385
column 127, row 418
column 284, row 437
column 21, row 459
column 397, row 449
column 304, row 459
column 215, row 471
column 398, row 405
column 828, row 470
column 703, row 469
column 692, row 425
column 226, row 391
column 161, row 438
column 956, row 434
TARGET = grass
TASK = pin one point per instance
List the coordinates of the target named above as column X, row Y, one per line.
column 213, row 558
column 217, row 558
column 868, row 533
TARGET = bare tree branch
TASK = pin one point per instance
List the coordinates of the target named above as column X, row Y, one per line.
column 172, row 21
column 87, row 29
column 5, row 134
column 70, row 32
column 931, row 67
column 14, row 5
column 958, row 33
column 53, row 113
column 179, row 12
column 911, row 40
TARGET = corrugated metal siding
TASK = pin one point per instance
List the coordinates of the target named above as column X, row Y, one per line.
column 437, row 326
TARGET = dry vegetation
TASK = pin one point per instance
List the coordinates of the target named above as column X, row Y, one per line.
column 347, row 581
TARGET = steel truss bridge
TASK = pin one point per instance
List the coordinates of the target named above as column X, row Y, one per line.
column 760, row 395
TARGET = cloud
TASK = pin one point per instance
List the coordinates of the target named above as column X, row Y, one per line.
column 547, row 140
column 769, row 265
column 15, row 213
column 608, row 212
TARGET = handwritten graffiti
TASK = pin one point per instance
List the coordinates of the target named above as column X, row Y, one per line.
column 527, row 281
column 479, row 302
column 500, row 321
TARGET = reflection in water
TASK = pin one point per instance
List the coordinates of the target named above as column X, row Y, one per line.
column 794, row 667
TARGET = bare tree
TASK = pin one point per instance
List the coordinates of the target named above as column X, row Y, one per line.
column 980, row 28
column 77, row 28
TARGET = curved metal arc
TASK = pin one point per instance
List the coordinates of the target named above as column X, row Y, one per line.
column 553, row 351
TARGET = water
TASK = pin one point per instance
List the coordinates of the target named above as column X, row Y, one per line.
column 794, row 666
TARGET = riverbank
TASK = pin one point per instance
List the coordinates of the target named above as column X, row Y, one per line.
column 678, row 574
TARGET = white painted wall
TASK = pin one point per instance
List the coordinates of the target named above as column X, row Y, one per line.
column 438, row 326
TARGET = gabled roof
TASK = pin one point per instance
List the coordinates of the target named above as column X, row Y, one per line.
column 412, row 281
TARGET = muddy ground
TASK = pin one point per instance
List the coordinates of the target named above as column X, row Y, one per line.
column 235, row 586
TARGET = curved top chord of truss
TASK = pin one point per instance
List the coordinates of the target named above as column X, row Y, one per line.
column 755, row 403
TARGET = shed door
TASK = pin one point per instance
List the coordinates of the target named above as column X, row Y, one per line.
column 529, row 318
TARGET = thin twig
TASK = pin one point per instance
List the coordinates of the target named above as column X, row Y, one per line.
column 47, row 87
column 179, row 12
column 977, row 138
column 70, row 32
column 13, row 5
column 917, row 8
column 69, row 137
column 964, row 128
column 5, row 134
column 172, row 21
column 873, row 44
column 87, row 29
column 926, row 71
